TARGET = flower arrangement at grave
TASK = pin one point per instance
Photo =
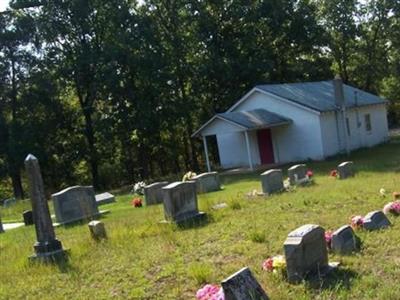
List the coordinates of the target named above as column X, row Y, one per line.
column 274, row 264
column 392, row 208
column 334, row 173
column 138, row 187
column 310, row 174
column 328, row 239
column 210, row 292
column 357, row 222
column 136, row 202
column 188, row 176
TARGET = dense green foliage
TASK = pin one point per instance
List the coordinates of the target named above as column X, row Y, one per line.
column 109, row 91
column 143, row 259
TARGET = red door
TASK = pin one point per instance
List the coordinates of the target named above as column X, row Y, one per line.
column 265, row 146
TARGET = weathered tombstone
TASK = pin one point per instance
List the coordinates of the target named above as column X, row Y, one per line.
column 104, row 198
column 97, row 230
column 344, row 240
column 207, row 182
column 305, row 252
column 376, row 220
column 272, row 181
column 243, row 286
column 180, row 202
column 74, row 204
column 346, row 169
column 27, row 215
column 47, row 248
column 1, row 226
column 297, row 174
column 9, row 202
column 153, row 193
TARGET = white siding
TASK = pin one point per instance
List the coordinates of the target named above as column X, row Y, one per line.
column 298, row 141
column 219, row 126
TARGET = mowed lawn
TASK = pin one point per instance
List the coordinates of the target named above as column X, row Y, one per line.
column 143, row 259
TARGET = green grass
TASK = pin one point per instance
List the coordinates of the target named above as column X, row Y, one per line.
column 143, row 259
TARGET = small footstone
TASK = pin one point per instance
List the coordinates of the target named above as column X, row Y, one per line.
column 344, row 241
column 376, row 220
column 97, row 230
column 243, row 286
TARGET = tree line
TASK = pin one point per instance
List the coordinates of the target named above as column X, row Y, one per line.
column 108, row 92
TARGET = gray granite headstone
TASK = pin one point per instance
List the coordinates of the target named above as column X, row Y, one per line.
column 153, row 193
column 272, row 181
column 346, row 169
column 105, row 198
column 74, row 204
column 376, row 220
column 344, row 240
column 297, row 173
column 207, row 182
column 243, row 286
column 180, row 202
column 9, row 202
column 1, row 226
column 47, row 248
column 97, row 230
column 305, row 252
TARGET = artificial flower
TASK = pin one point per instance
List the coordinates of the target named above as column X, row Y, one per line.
column 392, row 207
column 275, row 263
column 210, row 292
column 382, row 191
column 334, row 173
column 136, row 202
column 328, row 238
column 310, row 174
column 357, row 222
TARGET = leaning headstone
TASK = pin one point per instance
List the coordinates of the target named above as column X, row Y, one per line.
column 272, row 181
column 180, row 202
column 97, row 230
column 1, row 226
column 105, row 198
column 376, row 220
column 346, row 169
column 207, row 182
column 74, row 204
column 47, row 248
column 153, row 193
column 243, row 286
column 305, row 252
column 344, row 240
column 297, row 174
column 27, row 215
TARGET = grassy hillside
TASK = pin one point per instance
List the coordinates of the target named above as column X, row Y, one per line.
column 146, row 260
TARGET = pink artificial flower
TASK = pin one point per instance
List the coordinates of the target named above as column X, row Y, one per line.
column 310, row 173
column 334, row 173
column 268, row 264
column 387, row 208
column 210, row 292
column 396, row 207
column 357, row 221
column 328, row 238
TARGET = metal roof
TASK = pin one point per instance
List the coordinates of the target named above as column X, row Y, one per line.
column 253, row 119
column 320, row 95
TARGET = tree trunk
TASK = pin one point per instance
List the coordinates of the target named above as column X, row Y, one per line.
column 17, row 184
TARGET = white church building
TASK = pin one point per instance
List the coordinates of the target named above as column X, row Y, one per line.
column 282, row 123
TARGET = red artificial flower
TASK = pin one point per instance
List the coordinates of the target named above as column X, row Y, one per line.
column 357, row 221
column 310, row 173
column 268, row 264
column 334, row 173
column 136, row 202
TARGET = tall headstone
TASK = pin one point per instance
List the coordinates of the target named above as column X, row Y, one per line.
column 376, row 220
column 346, row 169
column 243, row 286
column 297, row 174
column 344, row 241
column 47, row 247
column 207, row 182
column 74, row 204
column 1, row 226
column 180, row 202
column 153, row 193
column 272, row 181
column 305, row 252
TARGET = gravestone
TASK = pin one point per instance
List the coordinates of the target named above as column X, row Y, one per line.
column 104, row 198
column 9, row 202
column 97, row 230
column 376, row 220
column 180, row 202
column 153, row 193
column 47, row 248
column 243, row 286
column 297, row 174
column 305, row 252
column 272, row 181
column 207, row 182
column 27, row 215
column 1, row 226
column 346, row 169
column 74, row 204
column 344, row 241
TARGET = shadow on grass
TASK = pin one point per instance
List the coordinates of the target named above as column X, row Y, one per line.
column 199, row 222
column 337, row 279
